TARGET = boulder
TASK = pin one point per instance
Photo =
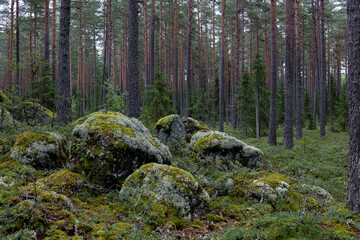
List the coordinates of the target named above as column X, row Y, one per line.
column 40, row 149
column 7, row 119
column 225, row 148
column 32, row 113
column 108, row 147
column 174, row 128
column 166, row 191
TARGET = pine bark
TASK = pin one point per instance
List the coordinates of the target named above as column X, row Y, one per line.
column 53, row 40
column 298, row 74
column 152, row 44
column 213, row 67
column 64, row 112
column 176, row 58
column 17, row 46
column 322, row 70
column 188, row 67
column 353, row 83
column 273, row 75
column 289, row 73
column 11, row 41
column 222, row 68
column 132, row 76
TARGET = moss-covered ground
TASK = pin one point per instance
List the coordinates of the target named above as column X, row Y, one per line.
column 269, row 203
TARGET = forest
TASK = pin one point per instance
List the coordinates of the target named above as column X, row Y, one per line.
column 179, row 119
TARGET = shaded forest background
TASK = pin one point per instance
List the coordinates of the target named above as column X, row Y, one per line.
column 213, row 60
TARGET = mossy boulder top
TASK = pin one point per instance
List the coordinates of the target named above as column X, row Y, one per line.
column 225, row 147
column 169, row 186
column 174, row 128
column 40, row 149
column 32, row 113
column 108, row 147
column 3, row 97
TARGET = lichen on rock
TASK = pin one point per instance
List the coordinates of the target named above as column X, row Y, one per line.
column 168, row 188
column 225, row 147
column 32, row 113
column 174, row 128
column 41, row 149
column 108, row 147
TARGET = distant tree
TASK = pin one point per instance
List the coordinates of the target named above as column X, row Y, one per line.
column 132, row 72
column 64, row 112
column 247, row 108
column 188, row 62
column 222, row 68
column 353, row 85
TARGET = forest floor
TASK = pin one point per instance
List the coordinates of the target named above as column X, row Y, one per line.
column 314, row 160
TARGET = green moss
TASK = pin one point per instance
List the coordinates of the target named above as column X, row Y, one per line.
column 3, row 97
column 214, row 218
column 164, row 122
column 205, row 143
column 64, row 182
column 271, row 178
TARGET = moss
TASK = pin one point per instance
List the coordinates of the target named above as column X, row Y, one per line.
column 3, row 97
column 64, row 182
column 164, row 122
column 207, row 142
column 214, row 218
column 43, row 150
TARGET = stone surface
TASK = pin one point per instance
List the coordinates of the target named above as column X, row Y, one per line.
column 173, row 129
column 32, row 113
column 40, row 149
column 226, row 148
column 167, row 186
column 108, row 147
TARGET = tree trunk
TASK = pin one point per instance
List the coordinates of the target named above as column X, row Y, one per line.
column 201, row 84
column 273, row 75
column 53, row 45
column 222, row 68
column 11, row 41
column 288, row 121
column 176, row 60
column 188, row 67
column 64, row 112
column 353, row 83
column 132, row 76
column 17, row 49
column 213, row 70
column 322, row 70
column 152, row 43
column 298, row 76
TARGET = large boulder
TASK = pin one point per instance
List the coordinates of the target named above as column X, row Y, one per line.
column 166, row 191
column 174, row 128
column 225, row 148
column 7, row 119
column 32, row 113
column 108, row 147
column 40, row 149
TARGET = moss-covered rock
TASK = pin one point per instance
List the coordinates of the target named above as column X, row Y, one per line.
column 65, row 182
column 166, row 191
column 174, row 128
column 7, row 119
column 32, row 113
column 41, row 149
column 108, row 147
column 6, row 144
column 224, row 147
column 3, row 97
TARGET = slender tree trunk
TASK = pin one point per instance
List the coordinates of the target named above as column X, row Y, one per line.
column 200, row 76
column 146, row 51
column 297, row 72
column 17, row 49
column 322, row 70
column 176, row 60
column 11, row 41
column 152, row 43
column 288, row 121
column 353, row 83
column 188, row 68
column 132, row 77
column 160, row 34
column 273, row 75
column 53, row 45
column 316, row 56
column 64, row 112
column 213, row 65
column 94, row 80
column 222, row 68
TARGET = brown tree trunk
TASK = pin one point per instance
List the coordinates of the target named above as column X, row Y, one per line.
column 176, row 60
column 288, row 121
column 353, row 83
column 152, row 44
column 298, row 124
column 17, row 49
column 11, row 41
column 221, row 69
column 322, row 70
column 273, row 75
column 200, row 76
column 188, row 67
column 53, row 45
column 213, row 66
